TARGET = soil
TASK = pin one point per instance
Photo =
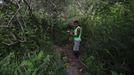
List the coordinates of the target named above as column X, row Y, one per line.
column 74, row 66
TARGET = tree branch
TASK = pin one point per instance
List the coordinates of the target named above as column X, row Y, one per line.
column 80, row 7
column 14, row 15
column 29, row 7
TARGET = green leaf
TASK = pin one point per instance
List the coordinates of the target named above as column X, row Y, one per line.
column 27, row 63
column 40, row 55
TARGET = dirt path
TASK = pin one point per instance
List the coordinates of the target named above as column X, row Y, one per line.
column 72, row 61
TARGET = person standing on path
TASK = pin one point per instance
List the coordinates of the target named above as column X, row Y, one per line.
column 77, row 38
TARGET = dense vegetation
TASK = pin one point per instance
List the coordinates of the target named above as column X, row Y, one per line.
column 29, row 29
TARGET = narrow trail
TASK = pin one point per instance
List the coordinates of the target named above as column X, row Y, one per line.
column 74, row 66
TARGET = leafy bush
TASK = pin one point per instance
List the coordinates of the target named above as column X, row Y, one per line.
column 109, row 39
column 32, row 64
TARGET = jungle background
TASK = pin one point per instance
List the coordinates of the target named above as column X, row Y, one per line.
column 30, row 28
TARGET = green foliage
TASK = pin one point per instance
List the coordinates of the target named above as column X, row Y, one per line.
column 26, row 48
column 33, row 64
column 107, row 39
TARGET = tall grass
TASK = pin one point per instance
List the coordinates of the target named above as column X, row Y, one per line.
column 32, row 64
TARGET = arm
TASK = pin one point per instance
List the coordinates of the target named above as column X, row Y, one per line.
column 78, row 33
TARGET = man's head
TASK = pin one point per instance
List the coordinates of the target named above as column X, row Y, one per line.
column 76, row 23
